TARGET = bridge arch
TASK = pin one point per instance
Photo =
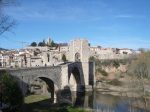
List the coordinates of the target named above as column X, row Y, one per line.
column 75, row 79
column 52, row 87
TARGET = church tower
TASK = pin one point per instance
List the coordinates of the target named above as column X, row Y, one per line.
column 49, row 41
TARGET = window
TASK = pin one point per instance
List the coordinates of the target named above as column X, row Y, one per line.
column 48, row 57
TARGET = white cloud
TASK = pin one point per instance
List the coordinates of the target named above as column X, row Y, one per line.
column 58, row 11
column 124, row 16
column 129, row 16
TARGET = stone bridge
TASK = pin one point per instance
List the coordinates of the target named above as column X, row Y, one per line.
column 76, row 75
column 58, row 78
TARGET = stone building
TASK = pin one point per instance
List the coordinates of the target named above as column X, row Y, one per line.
column 4, row 60
column 110, row 53
column 102, row 53
column 125, row 51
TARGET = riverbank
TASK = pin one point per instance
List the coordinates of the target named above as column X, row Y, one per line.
column 126, row 77
column 124, row 85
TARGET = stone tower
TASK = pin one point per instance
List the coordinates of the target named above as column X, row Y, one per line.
column 79, row 52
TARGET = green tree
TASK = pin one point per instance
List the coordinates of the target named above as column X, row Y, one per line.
column 11, row 92
column 116, row 63
column 33, row 44
column 64, row 58
column 41, row 44
column 44, row 43
column 53, row 44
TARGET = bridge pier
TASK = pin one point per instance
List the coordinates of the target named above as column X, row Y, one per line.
column 78, row 75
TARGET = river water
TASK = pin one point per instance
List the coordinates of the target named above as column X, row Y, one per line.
column 108, row 103
column 95, row 102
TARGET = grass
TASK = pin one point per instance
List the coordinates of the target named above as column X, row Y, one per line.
column 71, row 109
column 36, row 103
column 35, row 98
column 41, row 103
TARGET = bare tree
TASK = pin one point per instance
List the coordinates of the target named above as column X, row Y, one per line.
column 6, row 22
column 140, row 71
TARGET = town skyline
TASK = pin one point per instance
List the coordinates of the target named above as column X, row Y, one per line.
column 116, row 24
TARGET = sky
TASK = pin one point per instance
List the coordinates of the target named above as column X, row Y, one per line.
column 107, row 23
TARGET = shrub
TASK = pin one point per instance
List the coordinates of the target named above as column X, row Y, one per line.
column 116, row 63
column 64, row 58
column 71, row 109
column 115, row 82
column 103, row 72
column 12, row 94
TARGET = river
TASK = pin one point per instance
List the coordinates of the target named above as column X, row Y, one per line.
column 97, row 102
column 108, row 103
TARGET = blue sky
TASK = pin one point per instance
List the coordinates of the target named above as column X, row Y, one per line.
column 108, row 23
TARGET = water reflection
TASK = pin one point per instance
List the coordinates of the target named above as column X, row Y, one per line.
column 95, row 101
column 108, row 103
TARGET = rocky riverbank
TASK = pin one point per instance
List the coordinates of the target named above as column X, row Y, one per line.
column 116, row 90
column 126, row 77
column 123, row 87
